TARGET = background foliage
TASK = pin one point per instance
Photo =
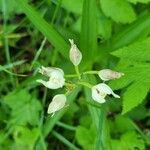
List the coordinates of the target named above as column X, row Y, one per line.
column 111, row 34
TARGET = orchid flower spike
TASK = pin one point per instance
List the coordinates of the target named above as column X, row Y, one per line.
column 107, row 74
column 100, row 91
column 74, row 54
column 57, row 103
column 56, row 77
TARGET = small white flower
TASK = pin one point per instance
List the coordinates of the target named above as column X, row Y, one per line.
column 100, row 91
column 75, row 54
column 107, row 74
column 56, row 77
column 57, row 103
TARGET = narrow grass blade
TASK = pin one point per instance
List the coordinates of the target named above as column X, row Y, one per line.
column 64, row 140
column 88, row 38
column 47, row 30
column 11, row 73
column 132, row 32
column 98, row 115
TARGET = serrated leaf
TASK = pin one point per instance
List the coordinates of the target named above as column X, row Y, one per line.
column 119, row 10
column 129, row 141
column 24, row 108
column 134, row 95
column 139, row 51
column 133, row 71
column 139, row 1
column 136, row 80
column 132, row 140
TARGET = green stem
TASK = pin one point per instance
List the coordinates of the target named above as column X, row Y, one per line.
column 56, row 11
column 64, row 140
column 90, row 72
column 66, row 126
column 71, row 75
column 6, row 44
column 85, row 84
column 43, row 104
column 39, row 52
column 77, row 72
column 4, row 28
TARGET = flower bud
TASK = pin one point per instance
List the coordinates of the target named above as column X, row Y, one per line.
column 100, row 91
column 57, row 103
column 107, row 74
column 75, row 54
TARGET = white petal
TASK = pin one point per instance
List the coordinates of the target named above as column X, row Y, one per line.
column 56, row 79
column 115, row 95
column 57, row 103
column 74, row 54
column 107, row 74
column 105, row 88
column 56, row 82
column 52, row 84
column 48, row 71
column 101, row 90
column 96, row 96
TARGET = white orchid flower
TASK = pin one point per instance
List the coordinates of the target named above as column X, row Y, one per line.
column 100, row 91
column 56, row 77
column 107, row 74
column 57, row 103
column 75, row 54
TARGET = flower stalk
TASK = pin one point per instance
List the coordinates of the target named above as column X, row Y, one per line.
column 56, row 80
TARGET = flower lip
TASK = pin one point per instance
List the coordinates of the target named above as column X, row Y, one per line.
column 57, row 103
column 100, row 91
column 56, row 77
column 107, row 74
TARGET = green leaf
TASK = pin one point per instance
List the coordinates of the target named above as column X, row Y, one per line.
column 134, row 64
column 139, row 1
column 104, row 26
column 90, row 134
column 47, row 30
column 132, row 140
column 25, row 138
column 122, row 125
column 88, row 37
column 74, row 6
column 129, row 141
column 115, row 145
column 11, row 6
column 137, row 79
column 119, row 10
column 25, row 108
column 139, row 29
column 138, row 51
column 132, row 97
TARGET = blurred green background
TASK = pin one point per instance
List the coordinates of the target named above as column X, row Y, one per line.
column 111, row 34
